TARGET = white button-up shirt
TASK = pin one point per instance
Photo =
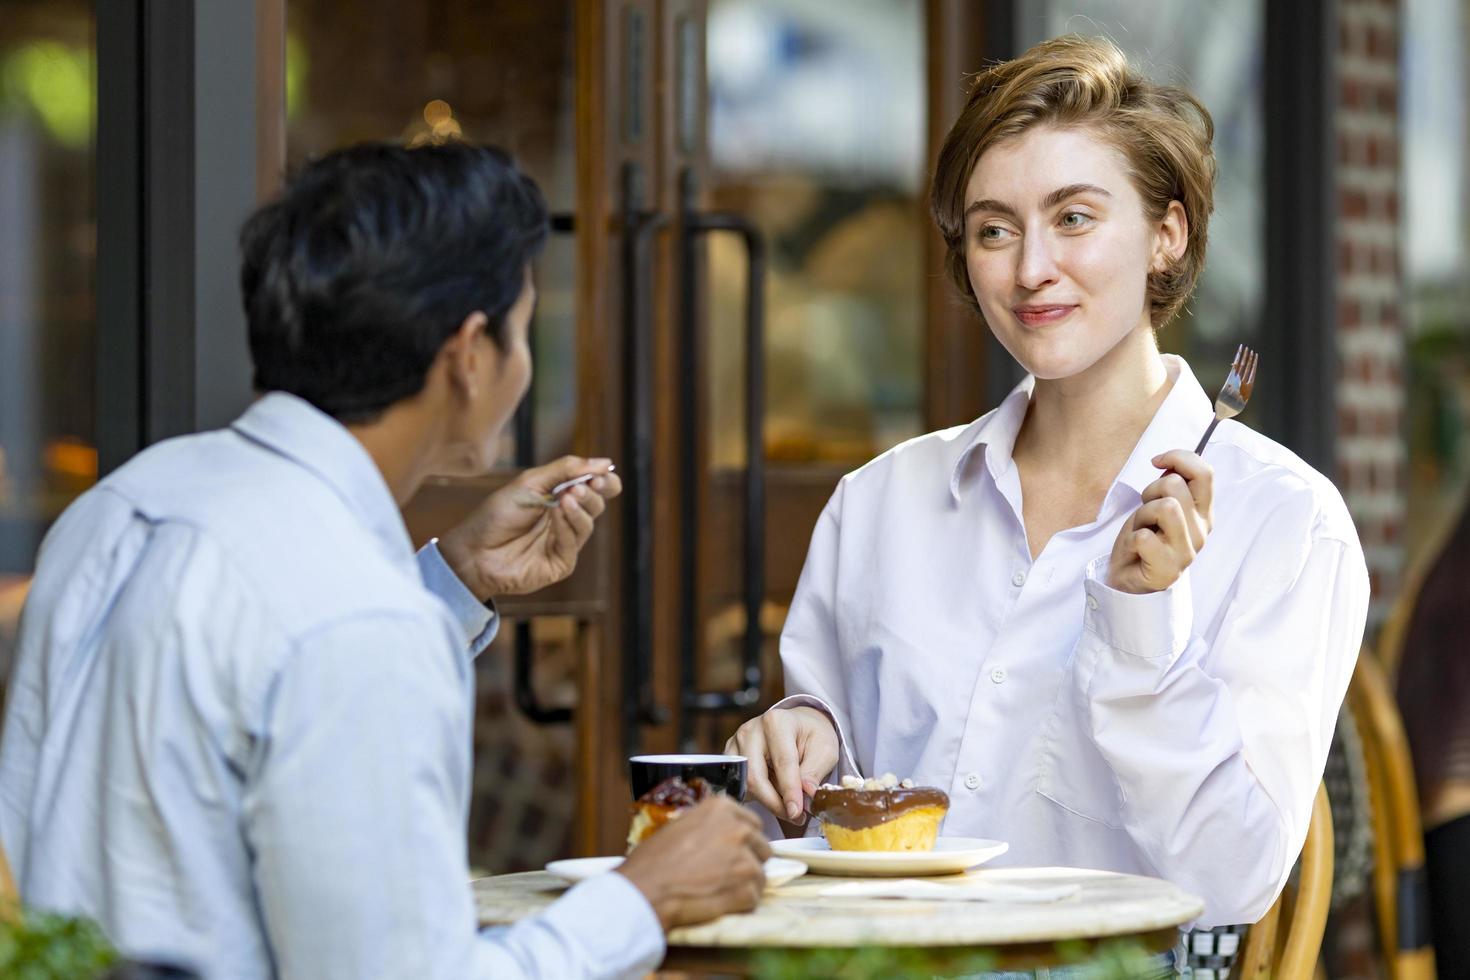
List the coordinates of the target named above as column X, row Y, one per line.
column 1180, row 734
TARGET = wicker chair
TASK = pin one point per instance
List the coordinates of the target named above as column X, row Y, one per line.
column 1400, row 889
column 1285, row 944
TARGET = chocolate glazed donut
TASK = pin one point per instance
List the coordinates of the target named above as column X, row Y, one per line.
column 859, row 809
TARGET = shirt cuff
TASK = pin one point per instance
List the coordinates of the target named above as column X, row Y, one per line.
column 614, row 923
column 1154, row 626
column 479, row 620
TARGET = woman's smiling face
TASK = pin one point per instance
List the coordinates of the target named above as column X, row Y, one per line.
column 1059, row 249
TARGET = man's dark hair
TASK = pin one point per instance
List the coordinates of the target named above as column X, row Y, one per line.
column 372, row 258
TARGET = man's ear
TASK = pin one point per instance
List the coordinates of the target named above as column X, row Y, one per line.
column 464, row 355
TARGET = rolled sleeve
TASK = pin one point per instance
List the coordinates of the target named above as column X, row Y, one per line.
column 1154, row 626
column 479, row 620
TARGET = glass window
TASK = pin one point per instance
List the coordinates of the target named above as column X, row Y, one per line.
column 48, row 98
column 1214, row 49
column 817, row 132
column 1437, row 270
column 489, row 73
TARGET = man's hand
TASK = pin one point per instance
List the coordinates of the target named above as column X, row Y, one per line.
column 514, row 543
column 789, row 751
column 704, row 864
column 1159, row 541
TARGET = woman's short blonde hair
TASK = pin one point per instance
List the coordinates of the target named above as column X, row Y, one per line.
column 1075, row 81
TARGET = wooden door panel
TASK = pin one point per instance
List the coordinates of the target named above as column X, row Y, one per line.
column 795, row 496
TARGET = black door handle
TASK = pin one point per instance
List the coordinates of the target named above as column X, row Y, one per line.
column 525, row 692
column 695, row 224
column 640, row 705
column 522, row 650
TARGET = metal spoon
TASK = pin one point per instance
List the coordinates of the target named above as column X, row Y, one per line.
column 551, row 499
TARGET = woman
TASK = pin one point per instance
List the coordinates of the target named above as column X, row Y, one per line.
column 1109, row 651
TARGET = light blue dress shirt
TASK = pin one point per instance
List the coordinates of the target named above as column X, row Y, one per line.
column 238, row 733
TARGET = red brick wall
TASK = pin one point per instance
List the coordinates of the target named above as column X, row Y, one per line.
column 1370, row 395
column 1371, row 453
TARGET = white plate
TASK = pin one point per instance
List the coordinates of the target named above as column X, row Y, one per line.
column 778, row 870
column 951, row 855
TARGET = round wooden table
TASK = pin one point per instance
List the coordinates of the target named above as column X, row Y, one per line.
column 796, row 919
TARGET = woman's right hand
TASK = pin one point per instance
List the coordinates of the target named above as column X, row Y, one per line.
column 790, row 751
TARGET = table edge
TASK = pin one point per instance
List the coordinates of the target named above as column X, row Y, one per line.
column 690, row 937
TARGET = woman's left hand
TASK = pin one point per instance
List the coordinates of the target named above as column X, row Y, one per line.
column 1159, row 541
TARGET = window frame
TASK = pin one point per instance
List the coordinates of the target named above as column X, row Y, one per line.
column 176, row 175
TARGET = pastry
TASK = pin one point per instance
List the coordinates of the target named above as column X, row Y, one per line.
column 666, row 801
column 880, row 814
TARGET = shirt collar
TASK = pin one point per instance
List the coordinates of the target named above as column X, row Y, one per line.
column 995, row 432
column 1177, row 424
column 319, row 443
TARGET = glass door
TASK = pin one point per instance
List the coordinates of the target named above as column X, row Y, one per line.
column 566, row 87
column 805, row 323
column 48, row 455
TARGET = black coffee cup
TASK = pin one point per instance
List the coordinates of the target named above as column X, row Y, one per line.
column 724, row 773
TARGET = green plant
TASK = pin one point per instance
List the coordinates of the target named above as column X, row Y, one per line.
column 44, row 946
column 1116, row 960
column 865, row 963
column 1108, row 960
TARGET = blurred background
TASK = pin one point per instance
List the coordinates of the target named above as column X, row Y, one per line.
column 743, row 299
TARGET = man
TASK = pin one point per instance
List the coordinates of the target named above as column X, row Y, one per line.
column 239, row 729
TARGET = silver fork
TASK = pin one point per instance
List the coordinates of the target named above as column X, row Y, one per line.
column 1237, row 391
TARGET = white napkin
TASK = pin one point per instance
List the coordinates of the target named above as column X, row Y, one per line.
column 970, row 891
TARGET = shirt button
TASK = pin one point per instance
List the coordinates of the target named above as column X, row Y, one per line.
column 972, row 781
column 998, row 675
column 1018, row 579
column 1091, row 602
